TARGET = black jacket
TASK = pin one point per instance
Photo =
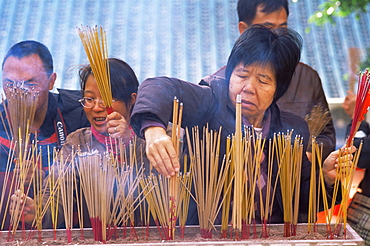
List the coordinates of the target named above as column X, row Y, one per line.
column 72, row 111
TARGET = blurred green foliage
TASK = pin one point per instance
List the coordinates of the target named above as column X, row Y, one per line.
column 365, row 63
column 338, row 8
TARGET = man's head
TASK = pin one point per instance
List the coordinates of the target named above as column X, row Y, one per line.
column 29, row 65
column 30, row 47
column 270, row 13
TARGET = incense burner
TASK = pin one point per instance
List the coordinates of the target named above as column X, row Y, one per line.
column 150, row 236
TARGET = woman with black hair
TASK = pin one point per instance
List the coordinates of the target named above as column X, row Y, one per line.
column 259, row 69
column 105, row 127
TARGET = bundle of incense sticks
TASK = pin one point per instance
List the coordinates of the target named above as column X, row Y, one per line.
column 208, row 176
column 253, row 187
column 67, row 187
column 27, row 165
column 7, row 182
column 290, row 163
column 136, row 169
column 345, row 173
column 106, row 207
column 158, row 200
column 20, row 111
column 226, row 193
column 209, row 181
column 54, row 179
column 74, row 178
column 239, row 179
column 252, row 153
column 313, row 206
column 61, row 177
column 20, row 107
column 267, row 202
column 185, row 185
column 362, row 104
column 174, row 180
column 157, row 197
column 342, row 185
column 317, row 120
column 170, row 197
column 96, row 48
column 129, row 197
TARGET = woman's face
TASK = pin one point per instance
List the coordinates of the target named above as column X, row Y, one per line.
column 97, row 114
column 257, row 85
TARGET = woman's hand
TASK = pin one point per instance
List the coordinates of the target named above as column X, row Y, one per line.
column 18, row 201
column 161, row 152
column 332, row 161
column 118, row 127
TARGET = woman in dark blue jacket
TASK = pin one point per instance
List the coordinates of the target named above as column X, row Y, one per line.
column 259, row 69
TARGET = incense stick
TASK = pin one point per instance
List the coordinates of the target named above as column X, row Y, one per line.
column 20, row 111
column 96, row 48
column 362, row 104
column 317, row 120
column 208, row 176
column 238, row 166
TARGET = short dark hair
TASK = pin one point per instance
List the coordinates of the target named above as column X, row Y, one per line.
column 30, row 47
column 280, row 49
column 247, row 8
column 122, row 78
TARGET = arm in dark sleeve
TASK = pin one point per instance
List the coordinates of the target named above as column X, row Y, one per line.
column 155, row 103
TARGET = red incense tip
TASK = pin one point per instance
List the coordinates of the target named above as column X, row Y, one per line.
column 110, row 110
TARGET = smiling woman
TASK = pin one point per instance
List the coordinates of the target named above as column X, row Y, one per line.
column 103, row 125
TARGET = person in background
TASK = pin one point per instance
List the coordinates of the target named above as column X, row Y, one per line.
column 305, row 89
column 103, row 130
column 259, row 69
column 29, row 65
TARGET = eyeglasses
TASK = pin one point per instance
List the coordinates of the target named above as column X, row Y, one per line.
column 20, row 84
column 89, row 102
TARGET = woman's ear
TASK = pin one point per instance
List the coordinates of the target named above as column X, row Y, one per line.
column 133, row 99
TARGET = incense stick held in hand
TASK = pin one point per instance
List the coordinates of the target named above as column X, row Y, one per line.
column 96, row 48
column 362, row 104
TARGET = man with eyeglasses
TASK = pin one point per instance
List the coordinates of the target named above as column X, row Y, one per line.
column 28, row 68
